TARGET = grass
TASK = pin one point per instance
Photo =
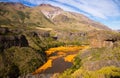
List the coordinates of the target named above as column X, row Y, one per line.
column 105, row 72
column 68, row 73
column 64, row 49
column 3, row 12
column 25, row 60
column 78, row 70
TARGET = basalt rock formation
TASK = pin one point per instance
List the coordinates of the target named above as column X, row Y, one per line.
column 103, row 38
column 8, row 39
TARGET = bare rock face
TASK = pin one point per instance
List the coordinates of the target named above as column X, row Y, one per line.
column 99, row 64
column 50, row 11
column 100, row 39
column 8, row 39
column 97, row 58
column 40, row 33
column 101, row 43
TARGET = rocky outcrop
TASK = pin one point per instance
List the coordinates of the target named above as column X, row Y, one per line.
column 96, row 65
column 40, row 33
column 50, row 11
column 70, row 36
column 98, row 43
column 103, row 38
column 95, row 58
column 8, row 39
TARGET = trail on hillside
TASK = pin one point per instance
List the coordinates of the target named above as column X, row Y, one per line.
column 59, row 59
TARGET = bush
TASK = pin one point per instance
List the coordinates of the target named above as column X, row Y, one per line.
column 76, row 65
column 105, row 72
column 95, row 63
column 20, row 61
column 14, row 71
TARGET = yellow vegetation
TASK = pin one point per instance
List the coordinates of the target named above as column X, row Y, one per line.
column 49, row 29
column 105, row 72
column 64, row 49
column 61, row 53
column 70, row 58
column 68, row 53
column 44, row 67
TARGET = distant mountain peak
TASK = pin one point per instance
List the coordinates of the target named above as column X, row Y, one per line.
column 118, row 30
column 55, row 15
column 50, row 6
column 49, row 10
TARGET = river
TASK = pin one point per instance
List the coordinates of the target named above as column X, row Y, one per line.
column 59, row 59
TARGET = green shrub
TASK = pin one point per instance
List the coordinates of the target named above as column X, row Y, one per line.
column 92, row 55
column 105, row 72
column 14, row 71
column 20, row 61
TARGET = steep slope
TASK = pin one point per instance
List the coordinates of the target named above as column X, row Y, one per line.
column 45, row 15
column 21, row 49
column 14, row 14
column 49, row 10
column 69, row 20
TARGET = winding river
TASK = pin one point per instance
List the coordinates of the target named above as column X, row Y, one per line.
column 59, row 59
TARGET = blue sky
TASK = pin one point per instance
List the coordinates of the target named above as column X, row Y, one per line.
column 104, row 11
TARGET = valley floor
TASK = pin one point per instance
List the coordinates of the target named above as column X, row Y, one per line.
column 59, row 59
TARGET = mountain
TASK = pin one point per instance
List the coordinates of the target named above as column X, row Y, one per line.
column 49, row 11
column 118, row 30
column 69, row 20
column 28, row 34
column 46, row 15
column 14, row 14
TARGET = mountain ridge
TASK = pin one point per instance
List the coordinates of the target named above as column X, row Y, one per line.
column 52, row 14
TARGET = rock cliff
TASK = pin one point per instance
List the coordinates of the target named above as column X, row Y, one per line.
column 8, row 39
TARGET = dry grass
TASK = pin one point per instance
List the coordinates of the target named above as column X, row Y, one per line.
column 69, row 58
column 47, row 29
column 64, row 49
column 44, row 67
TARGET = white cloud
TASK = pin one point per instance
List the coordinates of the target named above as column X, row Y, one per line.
column 97, row 8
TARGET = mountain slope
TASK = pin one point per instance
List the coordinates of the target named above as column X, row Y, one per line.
column 14, row 14
column 69, row 20
column 46, row 15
